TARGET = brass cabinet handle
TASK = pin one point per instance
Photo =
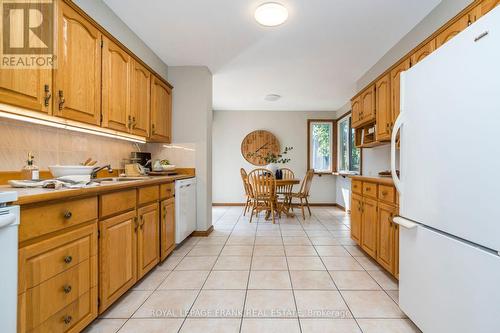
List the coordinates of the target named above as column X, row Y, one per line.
column 62, row 100
column 367, row 189
column 48, row 95
column 67, row 319
column 384, row 193
column 153, row 129
column 68, row 214
column 68, row 259
column 67, row 289
column 136, row 224
column 133, row 122
column 142, row 222
column 129, row 125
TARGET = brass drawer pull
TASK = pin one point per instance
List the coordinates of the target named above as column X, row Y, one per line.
column 384, row 193
column 67, row 319
column 67, row 289
column 48, row 95
column 62, row 100
column 367, row 189
column 68, row 259
column 67, row 215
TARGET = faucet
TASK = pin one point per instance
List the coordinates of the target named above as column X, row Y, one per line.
column 93, row 175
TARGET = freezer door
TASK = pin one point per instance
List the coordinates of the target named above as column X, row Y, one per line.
column 446, row 285
column 450, row 120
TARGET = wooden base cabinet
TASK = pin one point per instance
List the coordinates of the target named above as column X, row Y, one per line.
column 356, row 217
column 369, row 226
column 167, row 228
column 148, row 241
column 386, row 235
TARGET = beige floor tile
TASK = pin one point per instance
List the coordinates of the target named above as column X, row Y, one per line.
column 387, row 326
column 372, row 304
column 219, row 240
column 240, row 240
column 105, row 326
column 219, row 304
column 340, row 233
column 270, row 304
column 332, row 251
column 268, row 233
column 383, row 278
column 185, row 280
column 153, row 325
column 211, row 325
column 311, row 280
column 320, row 240
column 368, row 263
column 152, row 280
column 341, row 264
column 355, row 251
column 266, row 240
column 269, row 264
column 394, row 294
column 269, row 280
column 233, row 263
column 354, row 280
column 169, row 264
column 251, row 325
column 346, row 241
column 268, row 250
column 300, row 251
column 237, row 250
column 227, row 280
column 167, row 304
column 305, row 264
column 196, row 264
column 317, row 325
column 293, row 233
column 205, row 250
column 127, row 304
column 296, row 241
column 321, row 304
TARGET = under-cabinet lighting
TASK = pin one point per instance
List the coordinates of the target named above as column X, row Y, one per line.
column 178, row 147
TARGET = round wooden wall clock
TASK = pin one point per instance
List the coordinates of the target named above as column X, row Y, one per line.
column 259, row 143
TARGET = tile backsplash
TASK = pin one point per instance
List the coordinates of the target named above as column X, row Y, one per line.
column 52, row 146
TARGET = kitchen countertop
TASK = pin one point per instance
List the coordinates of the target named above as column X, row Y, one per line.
column 36, row 195
column 374, row 179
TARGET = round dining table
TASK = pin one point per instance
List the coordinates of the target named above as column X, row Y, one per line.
column 287, row 204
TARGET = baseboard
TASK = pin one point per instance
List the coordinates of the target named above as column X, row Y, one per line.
column 199, row 233
column 237, row 204
column 232, row 204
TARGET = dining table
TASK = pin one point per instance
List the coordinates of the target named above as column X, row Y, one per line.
column 286, row 205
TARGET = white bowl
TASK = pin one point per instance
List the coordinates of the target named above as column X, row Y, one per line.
column 168, row 167
column 70, row 170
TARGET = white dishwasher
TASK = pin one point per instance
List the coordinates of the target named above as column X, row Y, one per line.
column 9, row 224
column 185, row 208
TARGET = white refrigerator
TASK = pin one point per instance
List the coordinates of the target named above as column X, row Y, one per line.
column 450, row 184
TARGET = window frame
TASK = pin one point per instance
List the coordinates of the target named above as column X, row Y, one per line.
column 333, row 145
column 348, row 117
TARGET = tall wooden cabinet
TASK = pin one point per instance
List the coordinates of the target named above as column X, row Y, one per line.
column 140, row 99
column 77, row 79
column 161, row 111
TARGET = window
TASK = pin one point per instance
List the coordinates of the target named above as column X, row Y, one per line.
column 349, row 155
column 321, row 145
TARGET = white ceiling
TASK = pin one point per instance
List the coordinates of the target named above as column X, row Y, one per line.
column 312, row 61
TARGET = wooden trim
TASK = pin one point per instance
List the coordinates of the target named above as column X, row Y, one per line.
column 114, row 40
column 198, row 233
column 334, row 143
column 344, row 115
column 186, row 171
column 310, row 204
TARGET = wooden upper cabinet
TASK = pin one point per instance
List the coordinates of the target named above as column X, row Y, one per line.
column 356, row 111
column 27, row 88
column 148, row 239
column 458, row 26
column 423, row 52
column 161, row 111
column 140, row 99
column 116, row 70
column 396, row 88
column 368, row 105
column 488, row 5
column 369, row 226
column 77, row 79
column 383, row 106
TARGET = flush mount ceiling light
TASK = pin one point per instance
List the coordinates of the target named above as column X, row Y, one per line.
column 271, row 14
column 272, row 97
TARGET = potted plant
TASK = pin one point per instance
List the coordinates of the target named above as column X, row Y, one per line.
column 273, row 160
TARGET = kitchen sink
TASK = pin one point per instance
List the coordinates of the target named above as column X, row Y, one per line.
column 114, row 180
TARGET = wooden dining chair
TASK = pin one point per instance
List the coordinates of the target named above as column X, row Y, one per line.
column 248, row 190
column 284, row 191
column 263, row 187
column 303, row 194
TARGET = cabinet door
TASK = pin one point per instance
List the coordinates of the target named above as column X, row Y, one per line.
column 368, row 105
column 396, row 88
column 161, row 111
column 458, row 26
column 27, row 88
column 356, row 206
column 140, row 99
column 423, row 52
column 385, row 235
column 488, row 5
column 369, row 227
column 383, row 106
column 116, row 64
column 167, row 227
column 148, row 249
column 77, row 79
column 117, row 257
column 356, row 111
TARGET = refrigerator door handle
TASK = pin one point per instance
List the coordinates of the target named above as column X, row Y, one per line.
column 397, row 125
column 404, row 222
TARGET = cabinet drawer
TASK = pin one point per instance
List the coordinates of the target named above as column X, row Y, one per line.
column 58, row 292
column 148, row 194
column 167, row 190
column 387, row 193
column 40, row 220
column 370, row 190
column 117, row 202
column 44, row 260
column 74, row 317
column 357, row 186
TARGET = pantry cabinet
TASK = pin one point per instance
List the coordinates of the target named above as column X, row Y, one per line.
column 383, row 106
column 140, row 99
column 161, row 111
column 148, row 241
column 77, row 78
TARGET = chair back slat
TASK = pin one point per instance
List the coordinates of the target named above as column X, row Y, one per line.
column 246, row 186
column 287, row 174
column 262, row 183
column 306, row 183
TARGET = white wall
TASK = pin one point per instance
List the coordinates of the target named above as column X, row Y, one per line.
column 229, row 129
column 103, row 15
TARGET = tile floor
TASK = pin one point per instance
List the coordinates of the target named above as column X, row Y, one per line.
column 294, row 276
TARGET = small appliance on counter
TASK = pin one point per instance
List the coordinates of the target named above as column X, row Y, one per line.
column 142, row 158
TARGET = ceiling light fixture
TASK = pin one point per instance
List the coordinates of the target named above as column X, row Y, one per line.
column 271, row 14
column 272, row 97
